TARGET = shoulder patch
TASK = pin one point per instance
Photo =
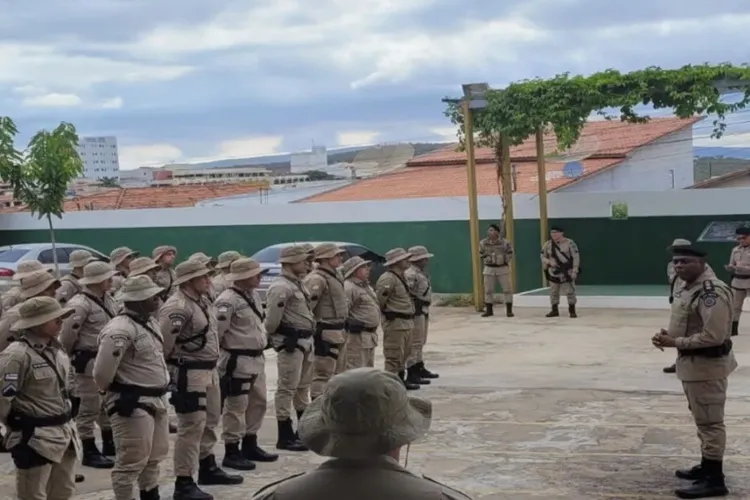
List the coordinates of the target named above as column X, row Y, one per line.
column 264, row 489
column 708, row 286
column 10, row 377
column 10, row 389
column 709, row 299
column 177, row 320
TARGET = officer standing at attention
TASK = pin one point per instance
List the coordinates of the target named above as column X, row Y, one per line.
column 35, row 284
column 562, row 263
column 191, row 347
column 130, row 366
column 69, row 284
column 699, row 328
column 25, row 268
column 329, row 305
column 93, row 307
column 121, row 258
column 242, row 366
column 364, row 314
column 496, row 253
column 164, row 255
column 137, row 267
column 310, row 249
column 739, row 267
column 290, row 324
column 219, row 281
column 35, row 404
column 210, row 263
column 421, row 291
column 397, row 308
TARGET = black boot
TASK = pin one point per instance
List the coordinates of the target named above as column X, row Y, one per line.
column 287, row 440
column 554, row 312
column 414, row 376
column 410, row 386
column 695, row 473
column 251, row 450
column 92, row 457
column 509, row 309
column 425, row 373
column 489, row 310
column 211, row 474
column 670, row 369
column 152, row 494
column 735, row 328
column 108, row 443
column 3, row 449
column 299, row 417
column 186, row 489
column 711, row 484
column 234, row 459
column 572, row 311
column 80, row 478
column 172, row 428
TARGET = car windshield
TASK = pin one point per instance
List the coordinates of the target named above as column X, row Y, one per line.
column 12, row 254
column 268, row 255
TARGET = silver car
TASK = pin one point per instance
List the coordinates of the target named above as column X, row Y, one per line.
column 12, row 255
column 269, row 259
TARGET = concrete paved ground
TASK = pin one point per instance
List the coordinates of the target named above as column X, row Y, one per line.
column 530, row 408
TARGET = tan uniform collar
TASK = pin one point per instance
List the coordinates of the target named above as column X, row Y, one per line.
column 38, row 342
column 291, row 276
column 377, row 462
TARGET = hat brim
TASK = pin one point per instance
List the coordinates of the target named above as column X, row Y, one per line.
column 25, row 323
column 418, row 257
column 82, row 263
column 195, row 274
column 93, row 280
column 224, row 265
column 159, row 255
column 330, row 254
column 296, row 259
column 36, row 290
column 140, row 295
column 398, row 259
column 245, row 275
column 144, row 270
column 20, row 276
column 318, row 438
column 354, row 269
column 117, row 262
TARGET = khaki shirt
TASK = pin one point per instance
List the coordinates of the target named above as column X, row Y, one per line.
column 11, row 298
column 568, row 251
column 496, row 255
column 7, row 334
column 117, row 281
column 328, row 302
column 288, row 303
column 740, row 259
column 219, row 283
column 364, row 307
column 420, row 286
column 188, row 327
column 241, row 327
column 393, row 296
column 701, row 316
column 80, row 331
column 69, row 286
column 130, row 353
column 33, row 387
column 165, row 278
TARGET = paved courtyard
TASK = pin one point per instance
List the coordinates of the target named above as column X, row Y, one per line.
column 530, row 408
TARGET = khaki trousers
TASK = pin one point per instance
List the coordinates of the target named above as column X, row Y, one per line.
column 567, row 288
column 293, row 386
column 418, row 336
column 92, row 409
column 325, row 367
column 706, row 401
column 48, row 482
column 196, row 431
column 358, row 356
column 396, row 347
column 243, row 414
column 738, row 298
column 142, row 443
column 491, row 281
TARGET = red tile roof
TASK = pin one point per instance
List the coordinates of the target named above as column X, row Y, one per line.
column 442, row 173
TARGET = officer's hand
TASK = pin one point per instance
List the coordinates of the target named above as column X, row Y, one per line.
column 573, row 275
column 663, row 340
column 729, row 268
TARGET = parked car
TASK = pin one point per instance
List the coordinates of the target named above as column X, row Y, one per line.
column 12, row 255
column 269, row 259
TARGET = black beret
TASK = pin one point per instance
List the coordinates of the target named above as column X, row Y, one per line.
column 742, row 231
column 688, row 251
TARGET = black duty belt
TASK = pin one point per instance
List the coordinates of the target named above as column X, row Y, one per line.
column 718, row 351
column 20, row 421
column 189, row 364
column 741, row 276
column 496, row 265
column 391, row 315
column 81, row 359
column 137, row 390
column 290, row 331
column 329, row 326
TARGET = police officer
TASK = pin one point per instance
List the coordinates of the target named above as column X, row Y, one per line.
column 739, row 267
column 141, row 266
column 242, row 366
column 496, row 253
column 329, row 305
column 130, row 367
column 13, row 296
column 219, row 281
column 397, row 308
column 209, row 262
column 191, row 346
column 121, row 258
column 93, row 307
column 421, row 292
column 310, row 249
column 364, row 314
column 69, row 285
column 562, row 264
column 700, row 328
column 290, row 324
column 35, row 284
column 35, row 404
column 164, row 255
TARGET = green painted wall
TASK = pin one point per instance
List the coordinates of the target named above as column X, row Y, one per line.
column 629, row 251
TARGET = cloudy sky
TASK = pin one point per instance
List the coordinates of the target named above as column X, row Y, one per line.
column 177, row 80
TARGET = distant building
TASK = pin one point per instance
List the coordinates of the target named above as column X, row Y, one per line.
column 100, row 157
column 316, row 159
column 142, row 176
column 736, row 179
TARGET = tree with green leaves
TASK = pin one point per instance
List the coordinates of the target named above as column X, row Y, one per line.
column 40, row 175
column 109, row 182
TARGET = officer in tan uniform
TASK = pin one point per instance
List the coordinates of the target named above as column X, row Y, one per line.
column 700, row 328
column 421, row 292
column 121, row 258
column 209, row 262
column 164, row 255
column 397, row 308
column 69, row 284
column 191, row 347
column 219, row 281
column 13, row 296
column 364, row 314
column 36, row 284
column 93, row 307
column 496, row 253
column 35, row 404
column 290, row 324
column 361, row 423
column 130, row 367
column 739, row 267
column 141, row 266
column 310, row 249
column 562, row 264
column 242, row 366
column 329, row 305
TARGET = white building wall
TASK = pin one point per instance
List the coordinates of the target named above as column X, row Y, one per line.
column 662, row 165
column 317, row 159
column 100, row 157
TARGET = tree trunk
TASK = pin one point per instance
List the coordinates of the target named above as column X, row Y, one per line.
column 499, row 172
column 54, row 247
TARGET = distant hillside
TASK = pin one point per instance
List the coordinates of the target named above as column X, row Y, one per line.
column 705, row 168
column 719, row 152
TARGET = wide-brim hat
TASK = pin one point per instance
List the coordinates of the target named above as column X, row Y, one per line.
column 40, row 319
column 340, row 423
column 679, row 242
column 327, row 251
column 395, row 256
column 120, row 254
column 190, row 269
column 159, row 251
column 242, row 269
column 354, row 264
column 419, row 253
column 36, row 283
column 96, row 272
column 226, row 258
column 22, row 275
column 142, row 265
column 293, row 255
column 79, row 258
column 138, row 288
